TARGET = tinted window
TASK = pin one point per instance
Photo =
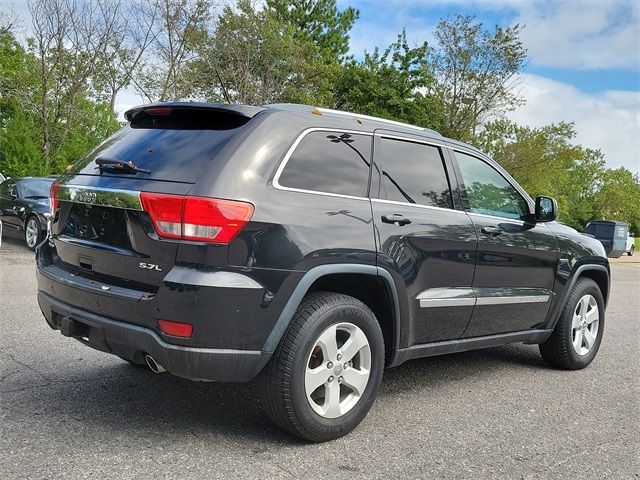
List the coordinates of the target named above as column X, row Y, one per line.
column 413, row 173
column 330, row 162
column 179, row 147
column 488, row 192
column 600, row 230
column 34, row 188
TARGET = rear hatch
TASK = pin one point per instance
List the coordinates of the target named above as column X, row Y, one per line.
column 102, row 230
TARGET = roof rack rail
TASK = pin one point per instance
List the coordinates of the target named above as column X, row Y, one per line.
column 301, row 107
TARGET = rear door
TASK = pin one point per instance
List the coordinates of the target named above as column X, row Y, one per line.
column 423, row 239
column 516, row 258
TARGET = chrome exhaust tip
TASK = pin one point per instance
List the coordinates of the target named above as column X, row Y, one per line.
column 154, row 366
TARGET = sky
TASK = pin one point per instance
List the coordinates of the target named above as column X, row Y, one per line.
column 583, row 59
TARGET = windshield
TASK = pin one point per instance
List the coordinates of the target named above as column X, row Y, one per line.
column 35, row 188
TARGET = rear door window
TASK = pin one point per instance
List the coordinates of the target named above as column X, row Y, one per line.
column 329, row 162
column 413, row 172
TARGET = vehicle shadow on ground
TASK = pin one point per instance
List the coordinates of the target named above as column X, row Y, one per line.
column 127, row 399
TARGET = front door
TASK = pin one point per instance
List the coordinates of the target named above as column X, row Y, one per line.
column 422, row 239
column 516, row 258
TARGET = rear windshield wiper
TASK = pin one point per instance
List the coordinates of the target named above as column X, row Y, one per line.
column 118, row 165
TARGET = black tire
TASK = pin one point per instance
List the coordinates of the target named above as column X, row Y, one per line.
column 39, row 235
column 630, row 252
column 558, row 349
column 282, row 382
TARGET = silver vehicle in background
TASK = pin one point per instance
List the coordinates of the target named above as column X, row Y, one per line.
column 631, row 245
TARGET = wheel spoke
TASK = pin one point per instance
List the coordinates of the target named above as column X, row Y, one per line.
column 328, row 343
column 332, row 400
column 315, row 377
column 589, row 338
column 592, row 315
column 577, row 342
column 356, row 379
column 584, row 305
column 353, row 345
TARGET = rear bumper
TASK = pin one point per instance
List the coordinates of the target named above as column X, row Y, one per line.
column 132, row 342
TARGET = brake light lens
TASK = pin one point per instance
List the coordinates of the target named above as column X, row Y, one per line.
column 53, row 197
column 198, row 219
column 176, row 329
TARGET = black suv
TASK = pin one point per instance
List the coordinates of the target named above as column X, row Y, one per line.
column 309, row 248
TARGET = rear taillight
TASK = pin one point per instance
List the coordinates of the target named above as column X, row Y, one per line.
column 53, row 197
column 196, row 218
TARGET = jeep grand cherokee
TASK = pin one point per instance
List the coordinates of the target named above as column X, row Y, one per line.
column 308, row 248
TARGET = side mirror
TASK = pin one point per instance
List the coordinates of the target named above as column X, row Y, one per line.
column 546, row 209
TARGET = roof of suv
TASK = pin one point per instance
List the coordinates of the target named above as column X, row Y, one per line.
column 328, row 115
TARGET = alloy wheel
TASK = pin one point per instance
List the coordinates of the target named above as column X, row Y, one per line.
column 31, row 234
column 584, row 328
column 337, row 370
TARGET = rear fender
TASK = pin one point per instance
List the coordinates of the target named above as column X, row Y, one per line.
column 307, row 281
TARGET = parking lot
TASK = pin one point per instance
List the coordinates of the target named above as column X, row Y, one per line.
column 68, row 411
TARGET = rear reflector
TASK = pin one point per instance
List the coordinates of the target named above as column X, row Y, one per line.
column 196, row 218
column 175, row 329
column 53, row 197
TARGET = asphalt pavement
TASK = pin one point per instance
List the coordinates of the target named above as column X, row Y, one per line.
column 67, row 411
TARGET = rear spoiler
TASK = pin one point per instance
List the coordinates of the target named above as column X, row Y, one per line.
column 246, row 111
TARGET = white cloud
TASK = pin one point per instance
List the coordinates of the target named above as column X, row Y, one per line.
column 582, row 35
column 609, row 120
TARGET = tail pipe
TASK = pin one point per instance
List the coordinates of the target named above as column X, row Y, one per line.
column 154, row 366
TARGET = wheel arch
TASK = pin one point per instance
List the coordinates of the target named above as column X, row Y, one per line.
column 372, row 285
column 598, row 273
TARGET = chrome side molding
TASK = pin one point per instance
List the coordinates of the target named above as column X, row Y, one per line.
column 469, row 297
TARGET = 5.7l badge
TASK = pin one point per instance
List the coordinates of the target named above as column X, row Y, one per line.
column 149, row 266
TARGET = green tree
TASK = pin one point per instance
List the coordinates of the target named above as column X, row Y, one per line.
column 475, row 72
column 176, row 30
column 319, row 21
column 75, row 122
column 392, row 84
column 618, row 197
column 545, row 161
column 254, row 57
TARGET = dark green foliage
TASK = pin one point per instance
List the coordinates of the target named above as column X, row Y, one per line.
column 546, row 161
column 319, row 21
column 392, row 84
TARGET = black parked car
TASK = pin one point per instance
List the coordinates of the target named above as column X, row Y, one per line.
column 23, row 203
column 309, row 248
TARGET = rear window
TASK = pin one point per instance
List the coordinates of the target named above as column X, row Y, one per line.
column 601, row 230
column 176, row 147
column 331, row 162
